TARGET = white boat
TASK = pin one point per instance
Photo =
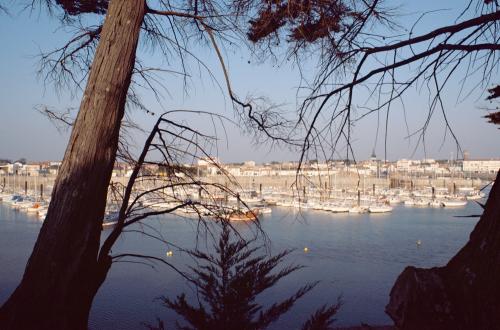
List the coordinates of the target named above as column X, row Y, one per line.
column 5, row 196
column 270, row 201
column 301, row 205
column 188, row 210
column 26, row 205
column 12, row 199
column 454, row 203
column 436, row 203
column 358, row 209
column 110, row 219
column 252, row 200
column 265, row 210
column 474, row 197
column 18, row 203
column 409, row 202
column 319, row 206
column 337, row 208
column 380, row 209
column 162, row 205
column 421, row 202
column 394, row 200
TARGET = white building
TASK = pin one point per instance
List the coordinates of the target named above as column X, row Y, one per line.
column 234, row 171
column 481, row 165
column 4, row 169
column 11, row 169
column 249, row 163
column 208, row 161
column 404, row 164
column 30, row 170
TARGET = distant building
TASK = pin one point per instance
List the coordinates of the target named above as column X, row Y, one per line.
column 208, row 166
column 11, row 169
column 249, row 163
column 53, row 168
column 234, row 171
column 30, row 170
column 406, row 164
column 208, row 161
column 490, row 166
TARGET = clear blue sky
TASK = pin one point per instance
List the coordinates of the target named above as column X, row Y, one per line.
column 26, row 133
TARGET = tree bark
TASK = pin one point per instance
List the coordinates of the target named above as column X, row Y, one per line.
column 464, row 294
column 62, row 275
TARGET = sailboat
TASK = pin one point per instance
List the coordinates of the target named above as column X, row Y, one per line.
column 436, row 203
column 454, row 203
column 380, row 209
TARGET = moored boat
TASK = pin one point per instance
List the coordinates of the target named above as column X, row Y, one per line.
column 239, row 215
column 265, row 210
column 380, row 209
column 409, row 202
column 337, row 208
column 454, row 203
column 421, row 202
column 358, row 209
column 474, row 197
column 394, row 200
column 34, row 208
column 436, row 203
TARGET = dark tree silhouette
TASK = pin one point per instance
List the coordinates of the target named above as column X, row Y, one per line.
column 228, row 283
column 62, row 275
column 322, row 319
column 494, row 116
column 357, row 54
column 67, row 267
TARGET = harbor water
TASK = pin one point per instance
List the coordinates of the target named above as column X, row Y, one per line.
column 356, row 257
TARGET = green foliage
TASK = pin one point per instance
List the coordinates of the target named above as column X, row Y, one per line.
column 322, row 319
column 494, row 117
column 228, row 283
column 305, row 21
column 77, row 7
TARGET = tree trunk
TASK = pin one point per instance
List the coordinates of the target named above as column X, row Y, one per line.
column 62, row 275
column 464, row 294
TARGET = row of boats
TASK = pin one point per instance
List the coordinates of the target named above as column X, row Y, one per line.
column 26, row 204
column 39, row 209
column 259, row 204
column 229, row 211
column 337, row 207
column 381, row 202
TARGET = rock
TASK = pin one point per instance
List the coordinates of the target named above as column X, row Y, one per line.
column 464, row 294
column 419, row 300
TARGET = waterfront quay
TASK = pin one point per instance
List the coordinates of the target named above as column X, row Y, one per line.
column 42, row 185
column 336, row 186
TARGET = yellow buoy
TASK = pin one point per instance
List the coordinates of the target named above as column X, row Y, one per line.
column 170, row 253
column 306, row 249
